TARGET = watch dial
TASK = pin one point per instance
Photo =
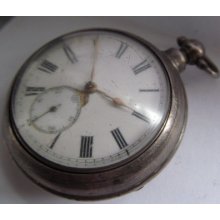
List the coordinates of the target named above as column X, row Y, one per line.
column 90, row 99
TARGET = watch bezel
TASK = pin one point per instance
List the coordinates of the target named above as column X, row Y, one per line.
column 52, row 164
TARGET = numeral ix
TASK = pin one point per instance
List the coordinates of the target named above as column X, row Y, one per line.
column 33, row 90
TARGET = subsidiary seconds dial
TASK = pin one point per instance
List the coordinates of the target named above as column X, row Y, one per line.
column 55, row 110
column 92, row 99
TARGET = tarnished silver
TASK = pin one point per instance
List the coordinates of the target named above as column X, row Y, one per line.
column 133, row 174
column 191, row 52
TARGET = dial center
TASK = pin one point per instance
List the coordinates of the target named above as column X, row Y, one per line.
column 90, row 87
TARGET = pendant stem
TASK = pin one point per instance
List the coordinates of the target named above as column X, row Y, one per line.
column 191, row 52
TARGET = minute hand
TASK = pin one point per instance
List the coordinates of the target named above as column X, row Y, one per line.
column 94, row 60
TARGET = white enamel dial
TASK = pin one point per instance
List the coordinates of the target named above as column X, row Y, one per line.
column 90, row 100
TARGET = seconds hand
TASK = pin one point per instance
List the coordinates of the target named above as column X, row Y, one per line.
column 51, row 109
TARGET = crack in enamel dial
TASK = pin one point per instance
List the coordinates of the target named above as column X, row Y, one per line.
column 90, row 100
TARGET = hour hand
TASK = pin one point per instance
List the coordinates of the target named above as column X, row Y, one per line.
column 118, row 102
column 115, row 100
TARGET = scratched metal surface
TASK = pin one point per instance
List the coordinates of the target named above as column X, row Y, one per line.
column 193, row 174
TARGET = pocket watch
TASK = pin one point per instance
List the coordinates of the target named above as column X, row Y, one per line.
column 96, row 113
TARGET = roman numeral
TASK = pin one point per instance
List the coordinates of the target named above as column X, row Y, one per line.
column 69, row 53
column 140, row 116
column 55, row 140
column 86, row 146
column 141, row 67
column 47, row 66
column 33, row 90
column 123, row 47
column 119, row 138
column 148, row 90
